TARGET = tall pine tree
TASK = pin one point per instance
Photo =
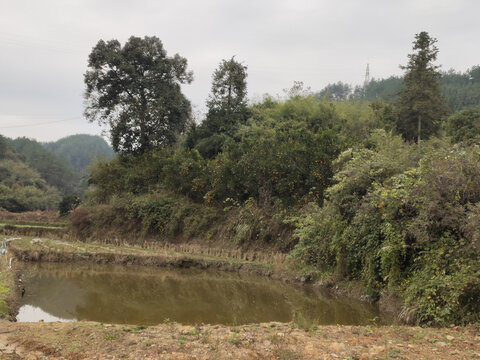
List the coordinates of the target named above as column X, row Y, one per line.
column 227, row 109
column 421, row 106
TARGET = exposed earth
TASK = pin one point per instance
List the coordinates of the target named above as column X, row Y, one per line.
column 88, row 340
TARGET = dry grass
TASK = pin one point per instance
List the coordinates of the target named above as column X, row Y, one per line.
column 277, row 259
column 86, row 340
column 47, row 217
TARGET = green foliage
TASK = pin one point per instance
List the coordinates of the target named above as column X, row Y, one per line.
column 356, row 119
column 385, row 89
column 22, row 188
column 315, row 230
column 80, row 150
column 402, row 220
column 283, row 154
column 227, row 109
column 384, row 212
column 227, row 104
column 56, row 171
column 186, row 172
column 68, row 203
column 135, row 90
column 335, row 92
column 147, row 215
column 4, row 149
column 421, row 106
column 464, row 125
column 445, row 287
column 276, row 159
column 462, row 90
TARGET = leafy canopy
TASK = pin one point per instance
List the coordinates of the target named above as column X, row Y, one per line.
column 135, row 90
column 464, row 124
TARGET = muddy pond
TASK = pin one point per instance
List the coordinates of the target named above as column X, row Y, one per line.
column 147, row 296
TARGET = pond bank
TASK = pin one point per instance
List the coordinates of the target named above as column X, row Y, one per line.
column 87, row 340
column 46, row 250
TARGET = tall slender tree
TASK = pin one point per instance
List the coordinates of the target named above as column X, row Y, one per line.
column 227, row 103
column 227, row 108
column 421, row 106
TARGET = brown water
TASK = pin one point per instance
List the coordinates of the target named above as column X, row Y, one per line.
column 140, row 295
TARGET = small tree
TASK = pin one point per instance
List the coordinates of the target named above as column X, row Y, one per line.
column 68, row 203
column 135, row 89
column 421, row 106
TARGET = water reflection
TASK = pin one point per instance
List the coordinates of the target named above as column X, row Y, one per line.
column 138, row 295
column 29, row 313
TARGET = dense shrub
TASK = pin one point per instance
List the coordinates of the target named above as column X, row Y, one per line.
column 136, row 217
column 284, row 153
column 409, row 223
column 22, row 188
column 68, row 203
column 464, row 125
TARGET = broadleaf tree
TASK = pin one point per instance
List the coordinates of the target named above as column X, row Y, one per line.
column 421, row 106
column 135, row 90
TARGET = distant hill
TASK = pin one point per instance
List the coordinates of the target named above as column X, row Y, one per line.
column 34, row 176
column 55, row 170
column 22, row 187
column 461, row 89
column 80, row 150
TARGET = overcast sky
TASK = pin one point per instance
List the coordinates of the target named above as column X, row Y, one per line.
column 44, row 46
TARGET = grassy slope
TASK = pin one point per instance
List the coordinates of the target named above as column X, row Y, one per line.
column 6, row 286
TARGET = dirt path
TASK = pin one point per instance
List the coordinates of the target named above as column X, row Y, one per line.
column 87, row 340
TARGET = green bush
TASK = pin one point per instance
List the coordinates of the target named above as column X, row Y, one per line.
column 464, row 125
column 403, row 220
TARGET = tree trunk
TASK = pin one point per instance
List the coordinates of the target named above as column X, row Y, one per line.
column 419, row 129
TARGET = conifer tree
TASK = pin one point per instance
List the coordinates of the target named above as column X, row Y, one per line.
column 421, row 106
column 227, row 109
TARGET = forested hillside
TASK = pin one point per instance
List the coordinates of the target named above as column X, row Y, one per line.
column 34, row 178
column 80, row 150
column 356, row 188
column 460, row 89
column 22, row 188
column 54, row 170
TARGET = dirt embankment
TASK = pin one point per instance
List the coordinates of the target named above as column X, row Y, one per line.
column 86, row 340
column 61, row 251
